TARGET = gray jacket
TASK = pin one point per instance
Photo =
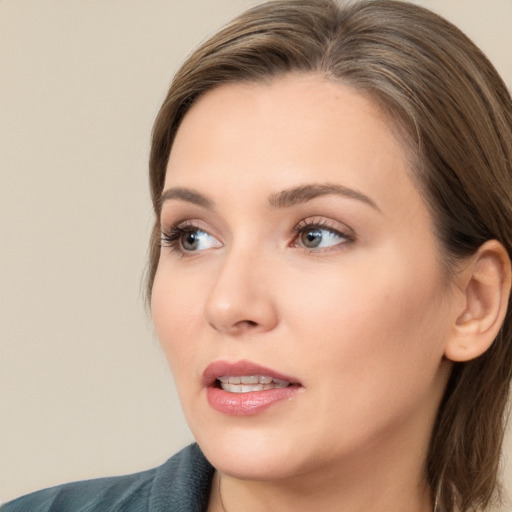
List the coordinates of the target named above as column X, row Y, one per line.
column 182, row 484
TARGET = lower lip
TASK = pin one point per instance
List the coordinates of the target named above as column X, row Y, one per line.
column 247, row 404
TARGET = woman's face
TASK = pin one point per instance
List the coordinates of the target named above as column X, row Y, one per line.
column 297, row 251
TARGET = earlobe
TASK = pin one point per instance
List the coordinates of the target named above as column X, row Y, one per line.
column 486, row 285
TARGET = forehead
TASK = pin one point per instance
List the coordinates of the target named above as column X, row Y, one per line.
column 291, row 130
column 295, row 106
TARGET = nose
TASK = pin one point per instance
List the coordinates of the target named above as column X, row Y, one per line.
column 241, row 299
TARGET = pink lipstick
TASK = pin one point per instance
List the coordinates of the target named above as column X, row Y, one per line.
column 244, row 388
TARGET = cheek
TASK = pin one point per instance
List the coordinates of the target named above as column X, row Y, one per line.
column 384, row 326
column 174, row 308
column 373, row 348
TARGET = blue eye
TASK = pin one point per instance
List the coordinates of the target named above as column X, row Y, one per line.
column 319, row 237
column 189, row 239
column 197, row 240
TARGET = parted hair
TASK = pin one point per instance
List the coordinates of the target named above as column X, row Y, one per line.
column 454, row 114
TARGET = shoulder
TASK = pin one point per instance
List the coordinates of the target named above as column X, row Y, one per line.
column 182, row 483
column 90, row 495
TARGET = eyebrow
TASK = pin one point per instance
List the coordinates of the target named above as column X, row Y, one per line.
column 305, row 193
column 188, row 195
column 284, row 199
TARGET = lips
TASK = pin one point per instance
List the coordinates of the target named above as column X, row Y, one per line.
column 245, row 388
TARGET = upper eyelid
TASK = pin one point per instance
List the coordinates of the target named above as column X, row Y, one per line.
column 188, row 223
column 324, row 223
column 191, row 214
column 194, row 224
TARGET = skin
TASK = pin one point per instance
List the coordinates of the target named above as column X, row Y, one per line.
column 361, row 321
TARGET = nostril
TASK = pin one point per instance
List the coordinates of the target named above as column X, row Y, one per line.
column 244, row 324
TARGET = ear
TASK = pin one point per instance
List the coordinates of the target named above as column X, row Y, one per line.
column 485, row 284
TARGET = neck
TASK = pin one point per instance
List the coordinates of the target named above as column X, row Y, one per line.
column 233, row 495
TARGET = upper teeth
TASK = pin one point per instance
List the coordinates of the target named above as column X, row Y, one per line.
column 246, row 383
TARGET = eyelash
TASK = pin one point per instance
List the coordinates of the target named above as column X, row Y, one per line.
column 172, row 238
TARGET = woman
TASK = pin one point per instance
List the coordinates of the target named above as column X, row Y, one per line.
column 330, row 268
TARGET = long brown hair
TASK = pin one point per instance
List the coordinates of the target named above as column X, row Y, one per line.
column 455, row 114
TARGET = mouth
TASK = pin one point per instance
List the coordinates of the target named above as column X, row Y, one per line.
column 249, row 383
column 244, row 377
column 244, row 388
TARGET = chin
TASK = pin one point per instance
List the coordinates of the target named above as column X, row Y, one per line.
column 251, row 454
column 253, row 466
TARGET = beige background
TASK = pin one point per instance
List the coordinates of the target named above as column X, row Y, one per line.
column 84, row 389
